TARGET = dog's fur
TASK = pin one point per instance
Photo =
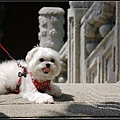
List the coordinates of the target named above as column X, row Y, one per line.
column 9, row 75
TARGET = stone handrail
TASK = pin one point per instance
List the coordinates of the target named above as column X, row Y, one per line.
column 99, row 50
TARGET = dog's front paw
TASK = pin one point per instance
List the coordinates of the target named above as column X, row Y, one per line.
column 38, row 97
column 50, row 101
column 45, row 98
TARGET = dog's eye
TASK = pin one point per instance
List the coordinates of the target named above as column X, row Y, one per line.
column 41, row 59
column 52, row 60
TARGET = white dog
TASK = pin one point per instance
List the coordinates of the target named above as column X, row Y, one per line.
column 41, row 66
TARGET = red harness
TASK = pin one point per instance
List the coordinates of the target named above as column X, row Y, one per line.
column 41, row 86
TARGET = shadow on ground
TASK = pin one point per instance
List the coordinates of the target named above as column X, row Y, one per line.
column 2, row 115
column 64, row 97
column 82, row 110
column 108, row 109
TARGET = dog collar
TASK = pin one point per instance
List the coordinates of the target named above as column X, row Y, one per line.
column 41, row 85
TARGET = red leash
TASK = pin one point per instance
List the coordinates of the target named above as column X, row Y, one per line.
column 6, row 52
column 19, row 65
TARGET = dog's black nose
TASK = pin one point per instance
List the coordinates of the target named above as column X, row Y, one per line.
column 47, row 65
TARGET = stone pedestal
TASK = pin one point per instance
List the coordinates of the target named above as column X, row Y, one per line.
column 51, row 21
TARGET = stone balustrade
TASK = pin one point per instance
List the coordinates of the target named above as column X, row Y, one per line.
column 96, row 25
column 93, row 48
column 101, row 64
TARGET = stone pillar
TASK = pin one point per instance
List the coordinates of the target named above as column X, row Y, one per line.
column 118, row 41
column 51, row 21
column 75, row 13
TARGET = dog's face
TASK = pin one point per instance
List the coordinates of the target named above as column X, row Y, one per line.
column 44, row 63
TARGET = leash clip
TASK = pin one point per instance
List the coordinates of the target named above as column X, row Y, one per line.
column 19, row 65
column 22, row 74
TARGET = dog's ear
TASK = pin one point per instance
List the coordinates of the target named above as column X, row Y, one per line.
column 31, row 53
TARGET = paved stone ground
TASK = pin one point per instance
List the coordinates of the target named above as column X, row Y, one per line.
column 77, row 101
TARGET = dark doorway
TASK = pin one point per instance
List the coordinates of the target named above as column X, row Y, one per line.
column 21, row 27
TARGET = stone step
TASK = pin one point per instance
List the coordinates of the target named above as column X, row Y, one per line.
column 77, row 101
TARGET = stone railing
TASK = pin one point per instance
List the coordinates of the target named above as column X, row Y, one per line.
column 100, row 64
column 93, row 44
column 98, row 44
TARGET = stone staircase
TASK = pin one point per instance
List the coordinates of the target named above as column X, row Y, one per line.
column 78, row 101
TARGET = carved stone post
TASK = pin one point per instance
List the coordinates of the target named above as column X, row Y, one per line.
column 75, row 14
column 118, row 41
column 51, row 23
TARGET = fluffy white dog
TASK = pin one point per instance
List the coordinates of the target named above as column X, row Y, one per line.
column 41, row 66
